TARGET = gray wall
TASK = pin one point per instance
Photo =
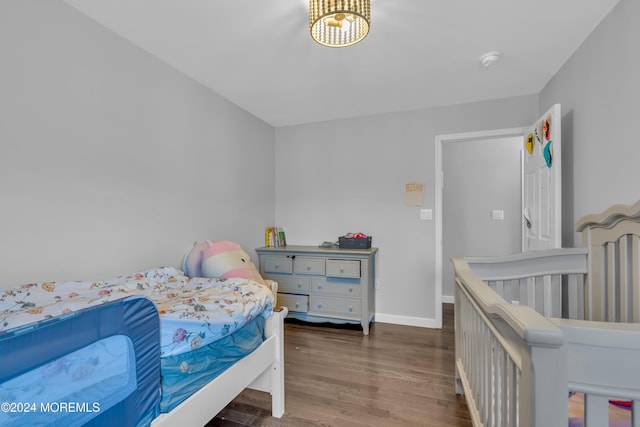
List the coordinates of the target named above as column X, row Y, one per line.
column 480, row 176
column 599, row 89
column 349, row 175
column 112, row 161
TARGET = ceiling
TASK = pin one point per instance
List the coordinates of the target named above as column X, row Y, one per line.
column 419, row 53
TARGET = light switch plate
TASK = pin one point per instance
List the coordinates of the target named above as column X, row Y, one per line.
column 497, row 215
column 426, row 214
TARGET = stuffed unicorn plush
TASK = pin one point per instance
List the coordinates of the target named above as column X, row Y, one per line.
column 221, row 259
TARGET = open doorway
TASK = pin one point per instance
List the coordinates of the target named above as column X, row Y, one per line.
column 482, row 184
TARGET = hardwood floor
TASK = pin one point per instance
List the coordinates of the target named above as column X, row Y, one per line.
column 336, row 376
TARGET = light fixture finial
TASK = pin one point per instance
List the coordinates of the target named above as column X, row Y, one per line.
column 339, row 23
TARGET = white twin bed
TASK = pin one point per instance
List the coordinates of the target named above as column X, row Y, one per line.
column 151, row 348
column 552, row 338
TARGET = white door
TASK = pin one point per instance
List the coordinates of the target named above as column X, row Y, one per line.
column 542, row 182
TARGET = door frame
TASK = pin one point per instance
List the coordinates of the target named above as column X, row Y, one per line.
column 439, row 181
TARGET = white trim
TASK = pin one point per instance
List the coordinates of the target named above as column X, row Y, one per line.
column 448, row 299
column 421, row 322
column 523, row 234
column 440, row 140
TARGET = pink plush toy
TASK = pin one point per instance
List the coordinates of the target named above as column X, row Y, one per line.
column 220, row 259
column 192, row 261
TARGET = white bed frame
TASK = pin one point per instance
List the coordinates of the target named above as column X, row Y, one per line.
column 263, row 370
column 532, row 327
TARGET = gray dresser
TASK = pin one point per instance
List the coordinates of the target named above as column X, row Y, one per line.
column 323, row 285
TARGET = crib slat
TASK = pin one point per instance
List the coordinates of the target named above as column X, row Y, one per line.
column 504, row 414
column 612, row 279
column 473, row 349
column 498, row 286
column 538, row 301
column 635, row 413
column 481, row 369
column 572, row 296
column 551, row 296
column 508, row 291
column 514, row 378
column 486, row 396
column 556, row 298
column 625, row 288
column 477, row 361
column 523, row 291
column 596, row 411
column 635, row 282
column 531, row 292
column 581, row 297
column 576, row 296
column 495, row 382
column 595, row 277
column 478, row 368
column 547, row 296
column 486, row 365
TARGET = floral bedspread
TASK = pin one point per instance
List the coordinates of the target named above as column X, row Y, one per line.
column 193, row 312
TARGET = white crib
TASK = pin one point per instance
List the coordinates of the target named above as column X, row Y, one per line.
column 534, row 328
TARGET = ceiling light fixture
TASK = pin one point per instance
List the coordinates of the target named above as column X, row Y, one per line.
column 339, row 23
column 489, row 58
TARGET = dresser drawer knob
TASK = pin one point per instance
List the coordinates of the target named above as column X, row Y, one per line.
column 277, row 266
column 350, row 308
column 308, row 267
column 320, row 305
column 299, row 285
column 341, row 269
column 319, row 286
column 350, row 288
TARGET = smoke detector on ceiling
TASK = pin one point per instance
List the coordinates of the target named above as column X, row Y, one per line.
column 489, row 58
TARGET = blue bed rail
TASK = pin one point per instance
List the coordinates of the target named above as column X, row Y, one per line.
column 49, row 344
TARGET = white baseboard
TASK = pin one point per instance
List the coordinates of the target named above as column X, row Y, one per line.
column 406, row 320
column 448, row 299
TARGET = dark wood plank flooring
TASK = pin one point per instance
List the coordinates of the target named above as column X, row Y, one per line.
column 336, row 376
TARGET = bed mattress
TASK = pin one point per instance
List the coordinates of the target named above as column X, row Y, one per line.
column 185, row 373
column 193, row 312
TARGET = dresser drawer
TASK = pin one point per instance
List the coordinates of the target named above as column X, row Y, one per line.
column 304, row 265
column 277, row 264
column 294, row 302
column 342, row 307
column 322, row 285
column 343, row 268
column 292, row 284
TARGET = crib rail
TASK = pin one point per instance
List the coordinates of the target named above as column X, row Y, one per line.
column 603, row 361
column 499, row 348
column 551, row 282
column 532, row 327
column 613, row 281
column 515, row 366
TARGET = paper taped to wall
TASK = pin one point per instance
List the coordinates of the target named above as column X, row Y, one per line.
column 414, row 194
